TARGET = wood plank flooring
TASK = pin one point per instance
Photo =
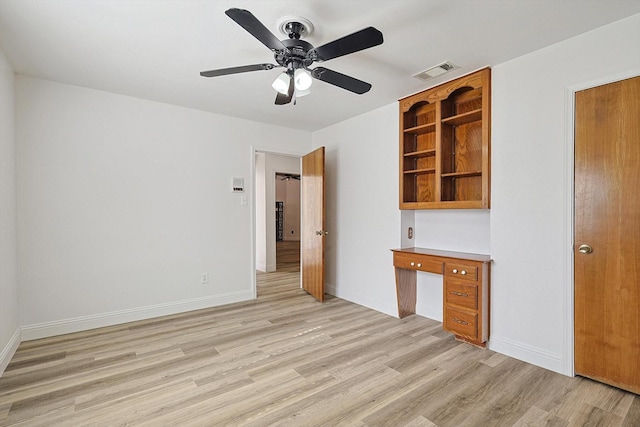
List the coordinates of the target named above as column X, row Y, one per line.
column 285, row 359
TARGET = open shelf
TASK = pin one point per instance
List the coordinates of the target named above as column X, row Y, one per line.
column 420, row 171
column 464, row 118
column 461, row 174
column 445, row 145
column 421, row 153
column 419, row 130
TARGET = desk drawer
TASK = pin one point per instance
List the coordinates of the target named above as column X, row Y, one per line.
column 461, row 293
column 461, row 322
column 461, row 271
column 416, row 262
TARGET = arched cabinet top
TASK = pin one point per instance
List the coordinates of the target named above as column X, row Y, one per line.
column 441, row 92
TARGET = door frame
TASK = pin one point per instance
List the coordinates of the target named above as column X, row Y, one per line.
column 252, row 203
column 569, row 208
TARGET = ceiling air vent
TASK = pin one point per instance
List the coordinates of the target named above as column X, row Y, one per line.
column 435, row 71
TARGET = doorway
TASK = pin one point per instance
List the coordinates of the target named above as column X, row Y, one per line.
column 287, row 222
column 607, row 234
column 277, row 219
column 311, row 266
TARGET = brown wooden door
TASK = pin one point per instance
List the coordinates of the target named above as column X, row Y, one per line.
column 313, row 231
column 607, row 219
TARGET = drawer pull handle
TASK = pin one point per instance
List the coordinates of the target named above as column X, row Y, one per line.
column 412, row 263
column 419, row 265
column 462, row 322
column 460, row 294
column 455, row 271
column 463, row 272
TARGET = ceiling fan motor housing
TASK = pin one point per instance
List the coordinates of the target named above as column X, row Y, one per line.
column 295, row 56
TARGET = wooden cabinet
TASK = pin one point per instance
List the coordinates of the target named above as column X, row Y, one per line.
column 465, row 288
column 466, row 299
column 445, row 145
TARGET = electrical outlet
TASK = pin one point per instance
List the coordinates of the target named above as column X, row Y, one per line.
column 204, row 278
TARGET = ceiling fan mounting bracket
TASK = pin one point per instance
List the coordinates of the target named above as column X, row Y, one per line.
column 295, row 30
column 292, row 26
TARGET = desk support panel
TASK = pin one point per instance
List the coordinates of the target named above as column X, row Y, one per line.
column 406, row 291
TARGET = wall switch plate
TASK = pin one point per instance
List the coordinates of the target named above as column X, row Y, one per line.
column 204, row 278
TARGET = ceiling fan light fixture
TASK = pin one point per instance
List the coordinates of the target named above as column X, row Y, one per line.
column 281, row 83
column 300, row 93
column 302, row 79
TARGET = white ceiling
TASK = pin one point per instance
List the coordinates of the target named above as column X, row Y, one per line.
column 155, row 49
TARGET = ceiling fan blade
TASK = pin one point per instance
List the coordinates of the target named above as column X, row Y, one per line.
column 341, row 80
column 363, row 39
column 281, row 98
column 246, row 20
column 236, row 70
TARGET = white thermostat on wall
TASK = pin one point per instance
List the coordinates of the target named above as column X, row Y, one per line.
column 238, row 185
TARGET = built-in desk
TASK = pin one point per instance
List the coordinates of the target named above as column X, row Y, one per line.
column 465, row 288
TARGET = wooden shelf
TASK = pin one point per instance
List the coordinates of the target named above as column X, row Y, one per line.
column 461, row 174
column 422, row 153
column 420, row 171
column 464, row 118
column 422, row 129
column 445, row 134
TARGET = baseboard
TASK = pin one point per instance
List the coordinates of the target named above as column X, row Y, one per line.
column 330, row 289
column 9, row 350
column 527, row 353
column 266, row 268
column 67, row 326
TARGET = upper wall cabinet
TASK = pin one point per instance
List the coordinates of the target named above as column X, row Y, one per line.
column 445, row 145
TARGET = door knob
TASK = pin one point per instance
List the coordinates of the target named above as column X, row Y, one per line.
column 322, row 233
column 585, row 249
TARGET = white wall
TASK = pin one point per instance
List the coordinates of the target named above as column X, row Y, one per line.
column 362, row 214
column 528, row 230
column 531, row 229
column 451, row 230
column 9, row 321
column 123, row 203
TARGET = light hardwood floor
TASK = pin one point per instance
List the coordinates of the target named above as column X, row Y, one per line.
column 285, row 359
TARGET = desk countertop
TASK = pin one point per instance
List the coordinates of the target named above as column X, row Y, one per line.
column 445, row 254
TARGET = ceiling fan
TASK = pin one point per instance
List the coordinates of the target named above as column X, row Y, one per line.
column 287, row 176
column 296, row 56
